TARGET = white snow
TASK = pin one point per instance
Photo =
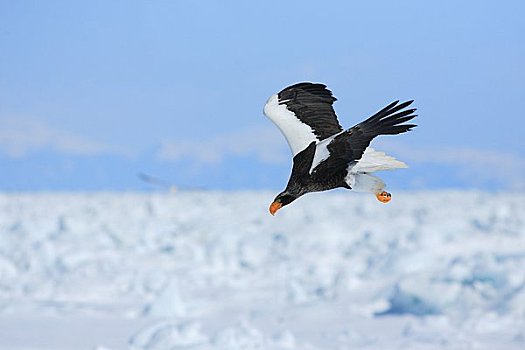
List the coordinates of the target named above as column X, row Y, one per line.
column 213, row 270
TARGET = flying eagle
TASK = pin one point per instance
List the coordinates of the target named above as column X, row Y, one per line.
column 324, row 155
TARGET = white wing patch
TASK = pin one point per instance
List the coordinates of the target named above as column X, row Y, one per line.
column 321, row 151
column 298, row 134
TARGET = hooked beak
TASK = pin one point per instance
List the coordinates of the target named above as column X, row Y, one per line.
column 274, row 207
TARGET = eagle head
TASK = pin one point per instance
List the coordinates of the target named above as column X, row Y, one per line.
column 282, row 199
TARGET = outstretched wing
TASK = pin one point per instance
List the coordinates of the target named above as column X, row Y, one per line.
column 349, row 146
column 388, row 121
column 303, row 112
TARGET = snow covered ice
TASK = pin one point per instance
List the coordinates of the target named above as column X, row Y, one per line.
column 214, row 270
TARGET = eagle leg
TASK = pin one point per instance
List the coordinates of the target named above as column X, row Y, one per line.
column 383, row 197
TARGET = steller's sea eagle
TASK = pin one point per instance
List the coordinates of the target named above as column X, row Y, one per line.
column 324, row 155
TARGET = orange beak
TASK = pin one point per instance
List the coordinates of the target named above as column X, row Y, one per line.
column 274, row 207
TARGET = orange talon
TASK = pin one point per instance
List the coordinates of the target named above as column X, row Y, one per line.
column 383, row 197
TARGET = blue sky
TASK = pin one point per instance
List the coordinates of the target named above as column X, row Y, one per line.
column 93, row 93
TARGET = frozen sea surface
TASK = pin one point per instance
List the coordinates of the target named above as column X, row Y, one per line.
column 213, row 270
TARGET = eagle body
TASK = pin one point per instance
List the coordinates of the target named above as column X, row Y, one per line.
column 325, row 156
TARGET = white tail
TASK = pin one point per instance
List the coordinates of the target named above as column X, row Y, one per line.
column 360, row 180
column 373, row 160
